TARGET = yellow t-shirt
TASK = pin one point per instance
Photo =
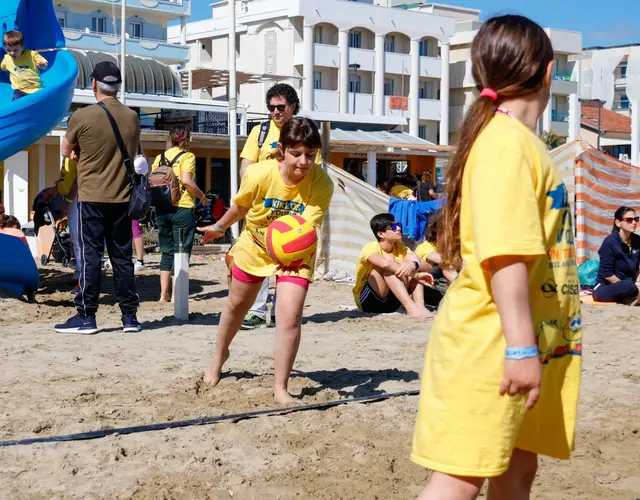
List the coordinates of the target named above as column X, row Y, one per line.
column 252, row 152
column 269, row 147
column 400, row 191
column 186, row 163
column 23, row 71
column 513, row 203
column 267, row 197
column 424, row 249
column 364, row 267
column 68, row 175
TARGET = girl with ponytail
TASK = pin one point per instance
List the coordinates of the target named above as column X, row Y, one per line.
column 502, row 370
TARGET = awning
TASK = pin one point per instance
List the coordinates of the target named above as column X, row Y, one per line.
column 143, row 75
column 202, row 78
column 391, row 141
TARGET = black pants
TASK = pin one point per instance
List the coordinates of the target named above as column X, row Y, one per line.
column 622, row 292
column 109, row 223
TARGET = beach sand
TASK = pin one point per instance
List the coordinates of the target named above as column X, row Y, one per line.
column 52, row 384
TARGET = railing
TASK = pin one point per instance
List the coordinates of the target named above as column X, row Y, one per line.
column 115, row 35
column 562, row 76
column 559, row 116
column 621, row 105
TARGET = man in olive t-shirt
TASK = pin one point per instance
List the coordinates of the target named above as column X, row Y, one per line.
column 103, row 200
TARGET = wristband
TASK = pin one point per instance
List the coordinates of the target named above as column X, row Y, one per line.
column 217, row 227
column 521, row 352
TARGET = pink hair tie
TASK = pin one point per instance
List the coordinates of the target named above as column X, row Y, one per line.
column 182, row 138
column 492, row 94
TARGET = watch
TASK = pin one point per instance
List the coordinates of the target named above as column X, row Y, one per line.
column 417, row 264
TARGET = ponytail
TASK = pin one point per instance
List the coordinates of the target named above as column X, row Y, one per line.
column 477, row 118
column 511, row 55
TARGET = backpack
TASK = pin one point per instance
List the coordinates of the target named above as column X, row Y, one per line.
column 264, row 132
column 165, row 186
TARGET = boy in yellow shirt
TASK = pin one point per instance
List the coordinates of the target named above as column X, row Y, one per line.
column 22, row 65
column 388, row 274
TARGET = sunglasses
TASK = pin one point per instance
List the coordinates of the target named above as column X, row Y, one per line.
column 395, row 226
column 631, row 220
column 279, row 107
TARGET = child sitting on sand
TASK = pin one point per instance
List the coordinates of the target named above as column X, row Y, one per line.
column 9, row 225
column 428, row 252
column 23, row 65
column 388, row 275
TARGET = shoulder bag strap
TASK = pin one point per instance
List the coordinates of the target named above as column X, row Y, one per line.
column 264, row 131
column 176, row 157
column 123, row 150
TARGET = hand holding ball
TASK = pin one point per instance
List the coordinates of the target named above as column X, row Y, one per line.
column 291, row 241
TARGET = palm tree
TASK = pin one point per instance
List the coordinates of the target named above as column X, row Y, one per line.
column 551, row 139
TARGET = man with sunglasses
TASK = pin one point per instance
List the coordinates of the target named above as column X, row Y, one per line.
column 283, row 104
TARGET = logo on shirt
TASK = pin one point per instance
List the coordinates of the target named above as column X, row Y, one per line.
column 280, row 208
column 550, row 288
column 559, row 197
column 274, row 144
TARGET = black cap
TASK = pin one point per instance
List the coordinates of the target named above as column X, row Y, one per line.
column 107, row 72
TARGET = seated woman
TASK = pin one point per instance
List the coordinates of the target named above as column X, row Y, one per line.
column 619, row 261
column 270, row 189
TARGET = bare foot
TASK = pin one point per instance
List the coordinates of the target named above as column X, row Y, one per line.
column 283, row 397
column 164, row 299
column 420, row 312
column 213, row 373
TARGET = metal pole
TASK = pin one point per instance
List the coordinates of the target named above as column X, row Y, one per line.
column 123, row 49
column 233, row 108
column 355, row 88
column 599, row 121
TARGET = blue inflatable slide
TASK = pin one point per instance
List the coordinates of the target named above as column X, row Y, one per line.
column 27, row 120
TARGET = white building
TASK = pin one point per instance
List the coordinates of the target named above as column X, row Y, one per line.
column 612, row 75
column 380, row 65
column 564, row 87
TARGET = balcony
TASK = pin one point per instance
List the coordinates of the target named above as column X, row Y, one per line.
column 162, row 51
column 176, row 7
column 461, row 76
column 620, row 81
column 562, row 85
column 329, row 101
column 560, row 122
column 328, row 56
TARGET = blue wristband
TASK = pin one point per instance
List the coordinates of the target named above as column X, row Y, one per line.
column 521, row 352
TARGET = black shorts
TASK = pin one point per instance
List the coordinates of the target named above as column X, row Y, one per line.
column 370, row 302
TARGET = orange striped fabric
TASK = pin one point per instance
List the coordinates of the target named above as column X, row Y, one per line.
column 601, row 185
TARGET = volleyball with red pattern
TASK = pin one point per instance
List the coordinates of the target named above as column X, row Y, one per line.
column 291, row 241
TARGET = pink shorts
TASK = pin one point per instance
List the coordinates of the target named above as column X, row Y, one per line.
column 135, row 229
column 250, row 279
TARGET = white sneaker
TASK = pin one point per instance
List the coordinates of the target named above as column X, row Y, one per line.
column 106, row 265
column 139, row 266
column 340, row 275
column 329, row 276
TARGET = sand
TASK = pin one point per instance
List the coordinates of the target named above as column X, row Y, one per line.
column 53, row 384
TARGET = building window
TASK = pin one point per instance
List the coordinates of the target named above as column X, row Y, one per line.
column 317, row 80
column 62, row 21
column 624, row 101
column 135, row 30
column 422, row 132
column 428, row 48
column 389, row 43
column 389, row 86
column 99, row 24
column 317, row 34
column 623, row 71
column 355, row 39
column 355, row 83
column 427, row 90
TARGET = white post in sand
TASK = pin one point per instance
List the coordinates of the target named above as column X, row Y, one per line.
column 181, row 282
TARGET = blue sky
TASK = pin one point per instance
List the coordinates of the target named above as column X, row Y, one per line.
column 599, row 26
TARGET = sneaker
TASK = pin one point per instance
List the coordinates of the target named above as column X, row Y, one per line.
column 329, row 276
column 106, row 265
column 253, row 322
column 139, row 266
column 130, row 323
column 84, row 325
